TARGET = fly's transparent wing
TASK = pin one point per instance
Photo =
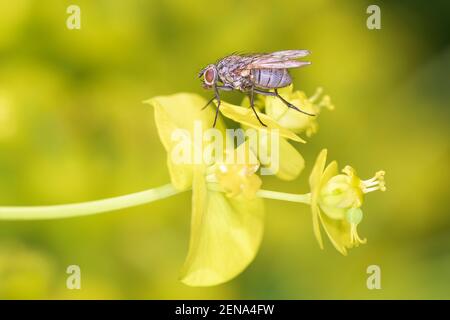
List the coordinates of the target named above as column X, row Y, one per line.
column 278, row 64
column 290, row 54
column 278, row 60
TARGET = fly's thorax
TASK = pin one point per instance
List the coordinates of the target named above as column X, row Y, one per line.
column 226, row 68
column 232, row 72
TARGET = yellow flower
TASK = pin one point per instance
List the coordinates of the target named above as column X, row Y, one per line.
column 180, row 111
column 336, row 200
column 277, row 114
column 227, row 208
column 247, row 117
column 291, row 162
column 226, row 228
column 225, row 235
column 293, row 120
column 238, row 177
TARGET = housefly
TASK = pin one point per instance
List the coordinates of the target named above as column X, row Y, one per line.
column 253, row 73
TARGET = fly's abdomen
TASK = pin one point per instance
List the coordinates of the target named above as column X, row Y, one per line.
column 271, row 78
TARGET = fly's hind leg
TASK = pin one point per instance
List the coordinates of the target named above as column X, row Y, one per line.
column 287, row 103
column 252, row 105
column 290, row 105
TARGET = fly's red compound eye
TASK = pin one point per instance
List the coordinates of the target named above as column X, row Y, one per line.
column 210, row 75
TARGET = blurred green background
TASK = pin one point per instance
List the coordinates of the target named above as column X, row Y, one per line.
column 73, row 128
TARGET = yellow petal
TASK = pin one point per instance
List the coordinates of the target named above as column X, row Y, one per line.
column 180, row 174
column 330, row 171
column 225, row 236
column 286, row 91
column 248, row 118
column 259, row 102
column 289, row 118
column 316, row 173
column 180, row 111
column 333, row 212
column 289, row 163
column 338, row 231
column 316, row 225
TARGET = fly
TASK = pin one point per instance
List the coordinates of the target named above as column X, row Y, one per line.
column 253, row 73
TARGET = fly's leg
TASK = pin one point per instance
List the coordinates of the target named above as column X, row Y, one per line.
column 290, row 105
column 224, row 88
column 209, row 102
column 287, row 103
column 252, row 105
column 217, row 97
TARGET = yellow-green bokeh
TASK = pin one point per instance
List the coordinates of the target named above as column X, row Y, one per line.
column 73, row 128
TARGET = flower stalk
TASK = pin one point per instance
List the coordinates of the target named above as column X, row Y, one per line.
column 87, row 208
column 292, row 197
column 121, row 202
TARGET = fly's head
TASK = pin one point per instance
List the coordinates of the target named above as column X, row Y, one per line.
column 209, row 76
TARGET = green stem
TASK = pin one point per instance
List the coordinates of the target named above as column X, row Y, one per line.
column 87, row 208
column 301, row 198
column 117, row 203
